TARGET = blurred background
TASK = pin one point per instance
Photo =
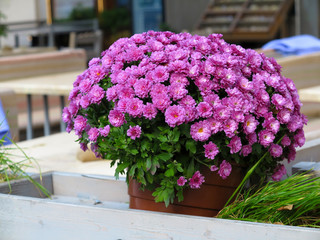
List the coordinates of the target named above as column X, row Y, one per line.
column 46, row 44
column 42, row 38
column 71, row 23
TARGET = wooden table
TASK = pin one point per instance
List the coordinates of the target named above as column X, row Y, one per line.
column 54, row 84
column 58, row 152
column 311, row 94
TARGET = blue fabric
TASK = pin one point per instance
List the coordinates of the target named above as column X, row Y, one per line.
column 296, row 45
column 4, row 127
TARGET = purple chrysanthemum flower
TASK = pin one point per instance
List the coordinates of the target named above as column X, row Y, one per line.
column 204, row 110
column 97, row 73
column 200, row 131
column 187, row 101
column 125, row 92
column 275, row 150
column 272, row 125
column 215, row 125
column 250, row 124
column 292, row 154
column 181, row 181
column 135, row 107
column 196, row 180
column 85, row 85
column 122, row 104
column 245, row 84
column 177, row 91
column 73, row 108
column 96, row 94
column 230, row 128
column 116, row 118
column 210, row 150
column 134, row 132
column 160, row 74
column 66, row 115
column 299, row 138
column 85, row 101
column 158, row 89
column 104, row 131
column 278, row 100
column 284, row 116
column 252, row 138
column 279, row 172
column 93, row 134
column 80, row 123
column 246, row 150
column 212, row 99
column 94, row 61
column 221, row 112
column 174, row 115
column 161, row 101
column 225, row 169
column 83, row 147
column 266, row 138
column 179, row 78
column 141, row 88
column 295, row 123
column 149, row 111
column 158, row 56
column 213, row 168
column 285, row 141
column 112, row 93
column 235, row 144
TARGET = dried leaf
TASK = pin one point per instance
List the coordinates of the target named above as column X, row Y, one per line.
column 278, row 223
column 288, row 207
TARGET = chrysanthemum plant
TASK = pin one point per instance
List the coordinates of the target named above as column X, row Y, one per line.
column 162, row 106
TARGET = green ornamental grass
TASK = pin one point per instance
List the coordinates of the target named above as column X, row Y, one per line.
column 294, row 201
column 12, row 170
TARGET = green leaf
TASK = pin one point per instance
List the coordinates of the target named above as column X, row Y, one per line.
column 185, row 130
column 133, row 151
column 122, row 166
column 162, row 138
column 149, row 136
column 145, row 145
column 180, row 195
column 148, row 163
column 166, row 199
column 149, row 177
column 132, row 170
column 190, row 169
column 257, row 148
column 153, row 169
column 179, row 168
column 176, row 135
column 169, row 172
column 165, row 156
column 191, row 146
column 165, row 146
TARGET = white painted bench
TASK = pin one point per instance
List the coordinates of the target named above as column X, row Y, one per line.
column 80, row 211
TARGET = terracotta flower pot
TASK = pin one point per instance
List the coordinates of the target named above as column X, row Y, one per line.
column 206, row 201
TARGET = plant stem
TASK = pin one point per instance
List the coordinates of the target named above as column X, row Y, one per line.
column 247, row 176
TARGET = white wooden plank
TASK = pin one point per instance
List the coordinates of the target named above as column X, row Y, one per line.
column 25, row 218
column 103, row 188
column 65, row 217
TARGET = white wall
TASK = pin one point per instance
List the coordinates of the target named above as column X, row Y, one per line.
column 18, row 10
column 21, row 11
